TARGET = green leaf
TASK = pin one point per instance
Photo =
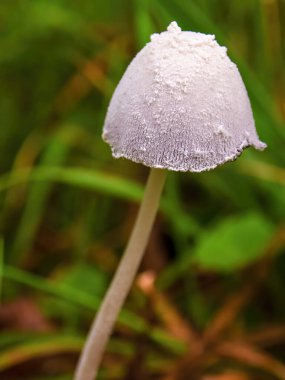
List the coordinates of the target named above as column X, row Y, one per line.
column 86, row 278
column 234, row 242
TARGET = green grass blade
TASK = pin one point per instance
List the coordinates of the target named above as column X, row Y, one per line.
column 82, row 299
column 1, row 267
column 39, row 349
column 87, row 179
column 54, row 155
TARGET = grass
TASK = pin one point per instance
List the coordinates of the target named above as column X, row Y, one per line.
column 67, row 206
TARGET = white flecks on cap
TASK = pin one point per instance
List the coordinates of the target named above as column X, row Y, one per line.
column 181, row 105
column 173, row 27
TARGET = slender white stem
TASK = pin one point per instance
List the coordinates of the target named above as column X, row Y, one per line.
column 105, row 319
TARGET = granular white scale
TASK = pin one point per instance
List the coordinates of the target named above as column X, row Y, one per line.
column 181, row 105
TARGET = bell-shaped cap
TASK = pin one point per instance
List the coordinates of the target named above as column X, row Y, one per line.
column 181, row 105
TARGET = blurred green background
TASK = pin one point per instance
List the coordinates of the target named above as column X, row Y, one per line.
column 209, row 301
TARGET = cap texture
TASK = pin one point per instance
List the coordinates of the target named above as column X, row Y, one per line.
column 181, row 105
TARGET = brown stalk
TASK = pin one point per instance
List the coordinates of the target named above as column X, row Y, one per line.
column 251, row 356
column 166, row 311
column 267, row 336
column 228, row 375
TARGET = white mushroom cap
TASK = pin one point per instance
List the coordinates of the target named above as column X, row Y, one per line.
column 181, row 105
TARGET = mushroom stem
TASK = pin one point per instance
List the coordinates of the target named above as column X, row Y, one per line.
column 105, row 319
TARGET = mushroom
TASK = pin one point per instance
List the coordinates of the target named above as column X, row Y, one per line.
column 181, row 105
